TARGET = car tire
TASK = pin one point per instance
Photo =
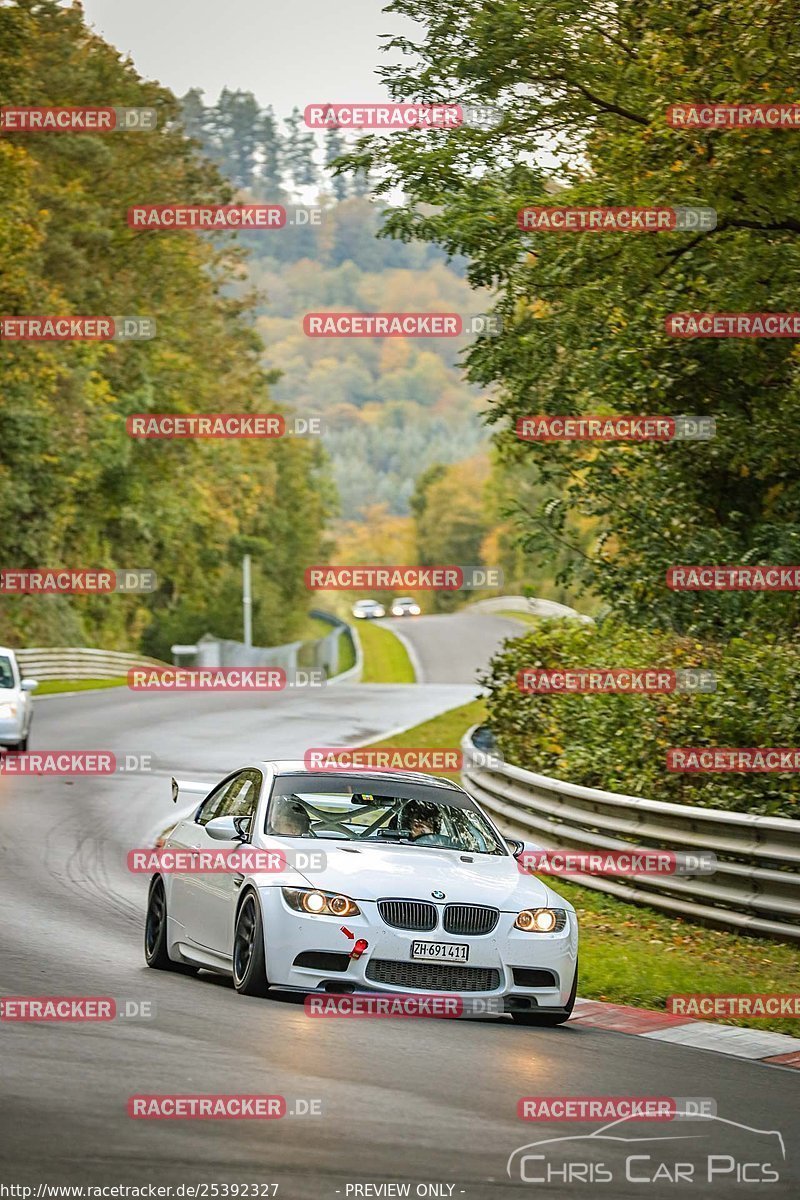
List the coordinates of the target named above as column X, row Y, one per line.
column 249, row 961
column 544, row 1019
column 155, row 933
column 22, row 747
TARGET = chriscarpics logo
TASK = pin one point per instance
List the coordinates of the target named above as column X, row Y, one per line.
column 693, row 1148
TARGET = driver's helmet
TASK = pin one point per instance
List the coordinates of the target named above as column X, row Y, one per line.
column 290, row 818
column 424, row 812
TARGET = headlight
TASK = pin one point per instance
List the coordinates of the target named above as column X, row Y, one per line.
column 541, row 920
column 8, row 710
column 320, row 904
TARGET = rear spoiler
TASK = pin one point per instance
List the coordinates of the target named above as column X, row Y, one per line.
column 182, row 787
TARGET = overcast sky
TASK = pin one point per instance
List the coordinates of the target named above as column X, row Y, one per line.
column 287, row 52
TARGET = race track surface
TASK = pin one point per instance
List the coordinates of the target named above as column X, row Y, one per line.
column 426, row 1102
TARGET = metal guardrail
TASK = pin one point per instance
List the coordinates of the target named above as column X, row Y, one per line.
column 341, row 630
column 755, row 889
column 78, row 662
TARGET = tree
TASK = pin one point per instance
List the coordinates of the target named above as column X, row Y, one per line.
column 450, row 518
column 235, row 129
column 589, row 83
column 299, row 154
column 270, row 146
column 75, row 489
column 194, row 115
column 334, row 149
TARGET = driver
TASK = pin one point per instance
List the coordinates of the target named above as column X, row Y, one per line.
column 421, row 819
column 291, row 820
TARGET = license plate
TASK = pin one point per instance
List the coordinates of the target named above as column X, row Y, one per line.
column 440, row 951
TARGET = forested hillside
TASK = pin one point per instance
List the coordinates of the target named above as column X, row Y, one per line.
column 392, row 408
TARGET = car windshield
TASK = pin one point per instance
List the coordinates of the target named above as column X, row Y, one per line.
column 358, row 808
column 6, row 674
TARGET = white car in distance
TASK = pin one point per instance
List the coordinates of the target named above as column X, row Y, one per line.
column 368, row 610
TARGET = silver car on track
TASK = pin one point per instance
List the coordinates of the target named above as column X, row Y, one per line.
column 16, row 703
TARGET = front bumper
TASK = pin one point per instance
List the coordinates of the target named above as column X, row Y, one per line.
column 500, row 956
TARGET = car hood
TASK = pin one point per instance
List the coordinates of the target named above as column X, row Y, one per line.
column 374, row 872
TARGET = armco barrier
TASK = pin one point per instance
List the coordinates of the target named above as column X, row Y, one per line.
column 544, row 609
column 329, row 648
column 78, row 662
column 321, row 654
column 756, row 887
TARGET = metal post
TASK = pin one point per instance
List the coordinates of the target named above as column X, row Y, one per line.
column 247, row 601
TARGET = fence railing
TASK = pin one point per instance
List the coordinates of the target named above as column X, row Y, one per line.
column 323, row 654
column 78, row 662
column 756, row 887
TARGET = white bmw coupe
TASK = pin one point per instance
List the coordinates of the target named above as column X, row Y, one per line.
column 388, row 882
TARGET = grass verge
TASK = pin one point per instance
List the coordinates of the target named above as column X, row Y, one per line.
column 51, row 687
column 525, row 618
column 631, row 954
column 347, row 654
column 385, row 657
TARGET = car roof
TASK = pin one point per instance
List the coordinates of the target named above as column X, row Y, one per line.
column 288, row 766
column 7, row 650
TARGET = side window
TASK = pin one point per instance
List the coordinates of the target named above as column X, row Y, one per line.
column 213, row 806
column 241, row 799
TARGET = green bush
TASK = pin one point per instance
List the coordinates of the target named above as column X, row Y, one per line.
column 619, row 742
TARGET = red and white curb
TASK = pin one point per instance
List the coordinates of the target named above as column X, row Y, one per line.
column 775, row 1049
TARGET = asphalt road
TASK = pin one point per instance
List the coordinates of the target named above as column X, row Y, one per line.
column 452, row 648
column 418, row 1102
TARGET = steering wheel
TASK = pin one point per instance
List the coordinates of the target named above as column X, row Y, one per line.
column 433, row 839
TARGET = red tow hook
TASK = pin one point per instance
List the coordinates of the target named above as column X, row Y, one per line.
column 359, row 948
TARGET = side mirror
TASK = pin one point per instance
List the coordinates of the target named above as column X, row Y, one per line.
column 29, row 685
column 515, row 846
column 224, row 829
column 243, row 826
